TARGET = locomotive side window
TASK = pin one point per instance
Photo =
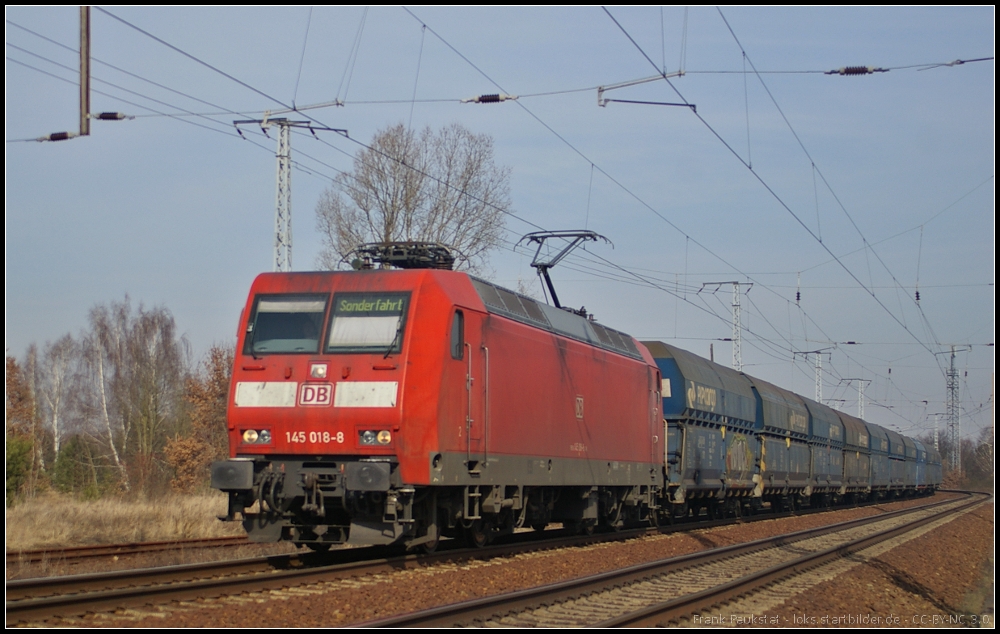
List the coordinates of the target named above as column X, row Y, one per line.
column 457, row 335
column 285, row 323
column 368, row 322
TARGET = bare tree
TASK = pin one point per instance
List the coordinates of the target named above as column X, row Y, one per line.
column 18, row 400
column 979, row 459
column 104, row 350
column 442, row 187
column 137, row 366
column 54, row 374
column 37, row 431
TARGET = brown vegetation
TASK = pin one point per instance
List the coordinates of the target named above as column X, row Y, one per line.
column 190, row 455
column 58, row 520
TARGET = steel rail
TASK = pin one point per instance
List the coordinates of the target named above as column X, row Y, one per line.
column 478, row 611
column 663, row 613
column 108, row 550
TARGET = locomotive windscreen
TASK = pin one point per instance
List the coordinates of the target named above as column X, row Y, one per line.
column 285, row 323
column 366, row 322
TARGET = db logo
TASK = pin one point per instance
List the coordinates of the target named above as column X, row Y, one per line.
column 316, row 394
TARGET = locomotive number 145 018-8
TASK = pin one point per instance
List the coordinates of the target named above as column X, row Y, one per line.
column 314, row 437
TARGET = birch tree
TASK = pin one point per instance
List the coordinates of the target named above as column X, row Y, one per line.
column 53, row 386
column 137, row 364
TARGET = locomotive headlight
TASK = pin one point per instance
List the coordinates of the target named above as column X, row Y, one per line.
column 257, row 437
column 372, row 437
column 317, row 370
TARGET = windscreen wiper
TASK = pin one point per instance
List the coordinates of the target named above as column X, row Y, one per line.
column 253, row 341
column 392, row 344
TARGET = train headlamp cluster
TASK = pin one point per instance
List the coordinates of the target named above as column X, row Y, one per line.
column 372, row 437
column 257, row 437
column 317, row 370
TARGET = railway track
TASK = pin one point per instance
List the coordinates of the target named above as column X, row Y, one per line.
column 74, row 553
column 662, row 592
column 45, row 599
column 49, row 599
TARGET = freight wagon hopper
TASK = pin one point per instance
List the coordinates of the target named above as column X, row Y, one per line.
column 784, row 437
column 712, row 454
column 735, row 442
column 383, row 406
column 857, row 458
column 881, row 468
column 826, row 447
column 898, row 457
column 933, row 471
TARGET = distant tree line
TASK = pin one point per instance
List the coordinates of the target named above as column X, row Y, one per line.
column 119, row 409
column 976, row 460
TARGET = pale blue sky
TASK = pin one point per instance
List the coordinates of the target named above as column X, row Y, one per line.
column 178, row 211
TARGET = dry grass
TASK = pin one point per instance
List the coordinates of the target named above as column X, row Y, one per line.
column 56, row 520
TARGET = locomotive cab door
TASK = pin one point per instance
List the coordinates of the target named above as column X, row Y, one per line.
column 656, row 424
column 476, row 357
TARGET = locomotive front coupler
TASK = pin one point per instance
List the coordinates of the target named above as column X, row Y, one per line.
column 314, row 496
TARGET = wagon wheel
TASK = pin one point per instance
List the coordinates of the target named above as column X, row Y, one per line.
column 680, row 511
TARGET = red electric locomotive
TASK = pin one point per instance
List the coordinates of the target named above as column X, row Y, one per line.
column 383, row 406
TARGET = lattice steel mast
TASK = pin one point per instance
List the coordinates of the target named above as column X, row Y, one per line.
column 737, row 324
column 818, row 364
column 283, row 201
column 952, row 409
column 954, row 424
column 861, row 394
column 283, row 188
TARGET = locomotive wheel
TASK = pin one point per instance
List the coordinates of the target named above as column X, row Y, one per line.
column 614, row 517
column 477, row 535
column 318, row 547
column 582, row 527
column 540, row 526
column 431, row 546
